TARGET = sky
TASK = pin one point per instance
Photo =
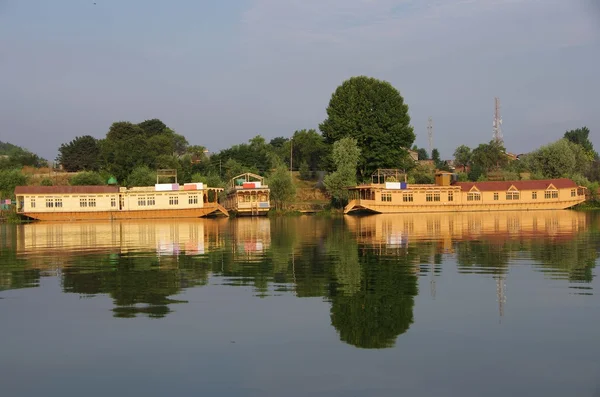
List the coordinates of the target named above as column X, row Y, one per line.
column 222, row 72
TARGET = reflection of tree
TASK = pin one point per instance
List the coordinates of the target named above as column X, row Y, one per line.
column 14, row 273
column 372, row 303
column 134, row 280
column 576, row 257
column 483, row 257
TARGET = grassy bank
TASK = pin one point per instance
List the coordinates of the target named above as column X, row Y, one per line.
column 588, row 206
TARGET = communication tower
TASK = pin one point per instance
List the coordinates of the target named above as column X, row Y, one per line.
column 497, row 122
column 430, row 134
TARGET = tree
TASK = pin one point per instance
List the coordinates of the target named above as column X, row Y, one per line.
column 309, row 147
column 422, row 152
column 462, row 156
column 374, row 113
column 141, row 176
column 489, row 156
column 9, row 179
column 580, row 136
column 562, row 158
column 87, row 178
column 345, row 156
column 81, row 154
column 304, row 171
column 281, row 186
column 152, row 127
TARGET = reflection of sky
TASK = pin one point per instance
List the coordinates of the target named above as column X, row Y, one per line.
column 286, row 346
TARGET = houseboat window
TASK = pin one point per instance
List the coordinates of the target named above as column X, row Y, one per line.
column 83, row 202
column 263, row 197
column 32, row 203
column 247, row 198
column 450, row 196
column 173, row 200
column 573, row 193
column 475, row 196
column 386, row 197
column 49, row 203
column 150, row 200
column 512, row 195
column 113, row 202
column 92, row 202
column 551, row 194
column 141, row 201
column 253, row 198
column 496, row 196
column 534, row 195
column 429, row 197
column 193, row 200
column 407, row 197
column 58, row 202
column 436, row 197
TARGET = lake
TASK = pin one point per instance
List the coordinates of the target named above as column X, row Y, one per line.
column 469, row 304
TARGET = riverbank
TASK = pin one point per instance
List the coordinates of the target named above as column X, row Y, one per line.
column 591, row 205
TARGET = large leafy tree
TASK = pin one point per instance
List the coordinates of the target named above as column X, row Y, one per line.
column 462, row 156
column 374, row 113
column 308, row 146
column 562, row 158
column 81, row 154
column 489, row 156
column 580, row 136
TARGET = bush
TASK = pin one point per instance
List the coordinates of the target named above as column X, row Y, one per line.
column 305, row 173
column 141, row 176
column 9, row 179
column 87, row 178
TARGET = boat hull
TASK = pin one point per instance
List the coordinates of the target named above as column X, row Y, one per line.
column 209, row 209
column 370, row 206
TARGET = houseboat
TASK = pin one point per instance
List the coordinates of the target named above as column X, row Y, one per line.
column 448, row 195
column 247, row 195
column 74, row 203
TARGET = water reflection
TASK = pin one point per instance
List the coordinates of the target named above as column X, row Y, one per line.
column 366, row 268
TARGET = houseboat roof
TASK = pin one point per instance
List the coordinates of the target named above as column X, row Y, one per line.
column 66, row 189
column 498, row 186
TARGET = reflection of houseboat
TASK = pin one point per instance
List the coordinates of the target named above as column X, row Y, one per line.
column 447, row 195
column 165, row 237
column 55, row 203
column 247, row 195
column 251, row 236
column 398, row 230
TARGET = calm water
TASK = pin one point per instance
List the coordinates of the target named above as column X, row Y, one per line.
column 487, row 304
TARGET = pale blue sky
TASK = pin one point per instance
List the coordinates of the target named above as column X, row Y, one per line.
column 222, row 72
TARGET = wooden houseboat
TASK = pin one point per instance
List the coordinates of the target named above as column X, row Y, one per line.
column 247, row 195
column 73, row 203
column 447, row 195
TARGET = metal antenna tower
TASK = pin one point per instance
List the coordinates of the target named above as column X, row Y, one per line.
column 430, row 134
column 497, row 122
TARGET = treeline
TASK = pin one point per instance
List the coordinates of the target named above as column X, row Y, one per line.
column 367, row 128
column 572, row 156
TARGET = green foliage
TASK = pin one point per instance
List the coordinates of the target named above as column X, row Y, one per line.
column 462, row 156
column 46, row 182
column 593, row 172
column 558, row 159
column 305, row 173
column 141, row 176
column 345, row 156
column 152, row 127
column 13, row 156
column 374, row 113
column 463, row 177
column 9, row 179
column 282, row 187
column 278, row 142
column 580, row 137
column 211, row 179
column 422, row 153
column 490, row 156
column 421, row 174
column 308, row 146
column 232, row 169
column 81, row 154
column 87, row 178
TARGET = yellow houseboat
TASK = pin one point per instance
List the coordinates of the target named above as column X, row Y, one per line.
column 248, row 195
column 73, row 203
column 447, row 195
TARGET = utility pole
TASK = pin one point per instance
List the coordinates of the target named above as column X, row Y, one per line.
column 220, row 171
column 291, row 154
column 497, row 122
column 430, row 135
